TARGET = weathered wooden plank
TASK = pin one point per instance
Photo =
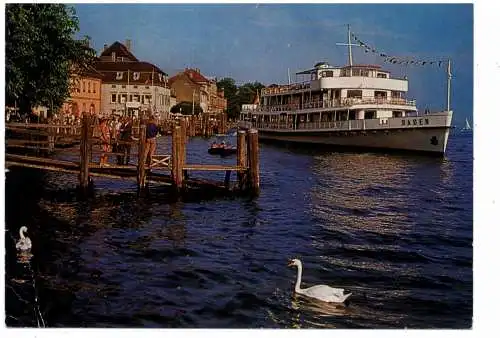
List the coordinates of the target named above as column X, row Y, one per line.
column 212, row 167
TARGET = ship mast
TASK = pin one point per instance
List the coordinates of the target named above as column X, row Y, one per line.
column 449, row 87
column 350, row 49
column 349, row 46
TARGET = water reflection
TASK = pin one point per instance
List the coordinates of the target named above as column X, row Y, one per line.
column 319, row 308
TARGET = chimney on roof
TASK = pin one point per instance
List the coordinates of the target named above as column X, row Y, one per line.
column 128, row 44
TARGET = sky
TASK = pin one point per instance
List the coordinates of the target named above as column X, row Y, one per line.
column 260, row 42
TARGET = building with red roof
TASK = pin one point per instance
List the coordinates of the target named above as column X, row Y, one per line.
column 130, row 85
column 192, row 86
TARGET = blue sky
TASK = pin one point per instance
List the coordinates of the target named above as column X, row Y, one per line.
column 250, row 42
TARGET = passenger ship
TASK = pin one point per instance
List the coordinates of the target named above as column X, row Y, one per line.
column 358, row 106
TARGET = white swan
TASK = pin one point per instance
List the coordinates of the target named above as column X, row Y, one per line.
column 24, row 243
column 320, row 292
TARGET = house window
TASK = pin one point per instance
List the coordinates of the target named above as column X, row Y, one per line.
column 93, row 85
column 382, row 75
column 83, row 85
column 135, row 87
column 147, row 87
column 136, row 76
column 327, row 73
column 119, row 75
column 88, row 87
column 123, row 86
column 84, row 106
column 113, row 98
column 113, row 86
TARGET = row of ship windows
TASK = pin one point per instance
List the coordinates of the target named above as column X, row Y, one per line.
column 355, row 72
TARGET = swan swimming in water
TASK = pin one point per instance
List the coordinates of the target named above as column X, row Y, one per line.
column 324, row 293
column 24, row 243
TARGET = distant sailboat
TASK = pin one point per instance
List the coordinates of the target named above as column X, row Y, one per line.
column 467, row 126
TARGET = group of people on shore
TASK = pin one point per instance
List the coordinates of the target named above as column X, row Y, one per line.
column 116, row 135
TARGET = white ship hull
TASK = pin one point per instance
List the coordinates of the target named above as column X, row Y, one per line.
column 429, row 140
column 428, row 133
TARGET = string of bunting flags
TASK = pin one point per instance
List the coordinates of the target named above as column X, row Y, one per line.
column 395, row 59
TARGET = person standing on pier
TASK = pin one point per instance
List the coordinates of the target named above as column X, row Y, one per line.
column 126, row 136
column 105, row 141
column 151, row 133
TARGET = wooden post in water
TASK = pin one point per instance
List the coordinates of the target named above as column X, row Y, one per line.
column 253, row 156
column 52, row 133
column 193, row 126
column 177, row 160
column 227, row 179
column 183, row 123
column 141, row 160
column 241, row 159
column 84, row 153
column 183, row 151
column 175, row 155
column 224, row 124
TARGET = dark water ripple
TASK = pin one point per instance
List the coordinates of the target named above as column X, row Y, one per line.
column 394, row 229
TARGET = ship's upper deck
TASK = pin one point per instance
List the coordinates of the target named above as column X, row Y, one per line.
column 324, row 76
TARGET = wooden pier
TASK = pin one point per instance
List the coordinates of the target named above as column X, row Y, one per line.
column 172, row 170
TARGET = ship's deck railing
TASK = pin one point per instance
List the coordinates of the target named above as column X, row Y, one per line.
column 336, row 103
column 364, row 124
column 286, row 88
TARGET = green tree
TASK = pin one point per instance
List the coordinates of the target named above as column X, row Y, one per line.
column 230, row 93
column 237, row 96
column 186, row 108
column 247, row 92
column 41, row 54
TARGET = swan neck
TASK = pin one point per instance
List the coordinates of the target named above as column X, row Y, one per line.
column 21, row 233
column 299, row 278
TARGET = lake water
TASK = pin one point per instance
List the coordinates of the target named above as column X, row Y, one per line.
column 396, row 230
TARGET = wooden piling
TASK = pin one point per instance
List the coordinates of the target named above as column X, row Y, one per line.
column 183, row 123
column 51, row 139
column 84, row 153
column 177, row 161
column 227, row 179
column 241, row 158
column 183, row 149
column 193, row 126
column 175, row 156
column 253, row 157
column 141, row 161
